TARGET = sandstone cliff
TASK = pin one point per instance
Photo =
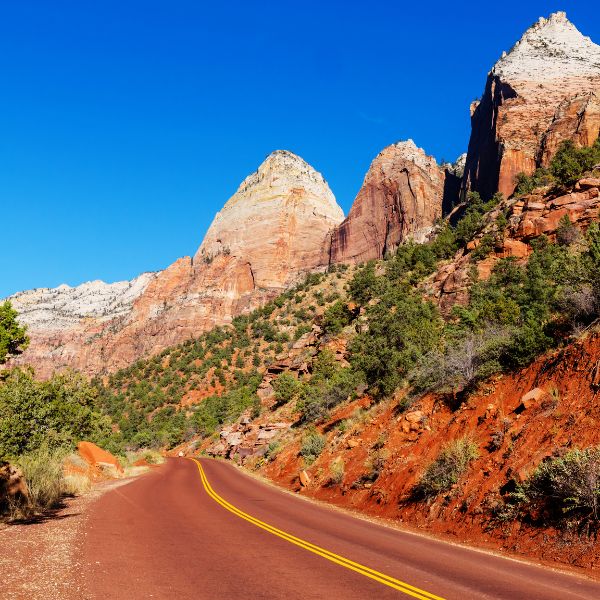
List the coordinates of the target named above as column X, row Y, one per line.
column 268, row 235
column 545, row 90
column 401, row 197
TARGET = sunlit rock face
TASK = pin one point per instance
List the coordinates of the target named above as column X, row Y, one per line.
column 270, row 233
column 545, row 90
column 400, row 198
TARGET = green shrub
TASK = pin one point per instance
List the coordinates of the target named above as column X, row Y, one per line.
column 43, row 469
column 401, row 328
column 337, row 471
column 312, row 446
column 446, row 469
column 286, row 387
column 336, row 317
column 570, row 163
column 568, row 488
column 55, row 413
column 525, row 184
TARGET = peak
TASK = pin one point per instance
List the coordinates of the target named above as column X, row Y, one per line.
column 407, row 150
column 281, row 167
column 551, row 48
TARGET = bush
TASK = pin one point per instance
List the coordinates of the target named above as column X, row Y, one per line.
column 447, row 468
column 469, row 358
column 54, row 413
column 567, row 233
column 43, row 470
column 336, row 317
column 401, row 328
column 286, row 388
column 337, row 470
column 570, row 163
column 568, row 487
column 312, row 446
column 525, row 184
column 329, row 386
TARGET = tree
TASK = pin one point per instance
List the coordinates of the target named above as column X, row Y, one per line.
column 13, row 338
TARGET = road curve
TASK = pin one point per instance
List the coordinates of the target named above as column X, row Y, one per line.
column 210, row 532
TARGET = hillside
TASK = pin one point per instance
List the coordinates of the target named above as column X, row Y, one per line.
column 434, row 357
column 352, row 385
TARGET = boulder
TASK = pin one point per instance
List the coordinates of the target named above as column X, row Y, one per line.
column 99, row 458
column 304, row 478
column 532, row 398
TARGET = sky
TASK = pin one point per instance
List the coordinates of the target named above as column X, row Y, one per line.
column 126, row 125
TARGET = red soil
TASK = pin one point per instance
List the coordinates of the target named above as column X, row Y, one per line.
column 565, row 417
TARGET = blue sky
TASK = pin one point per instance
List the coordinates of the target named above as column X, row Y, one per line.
column 125, row 125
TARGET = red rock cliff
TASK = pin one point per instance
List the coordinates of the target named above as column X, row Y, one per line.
column 401, row 197
column 545, row 90
column 268, row 235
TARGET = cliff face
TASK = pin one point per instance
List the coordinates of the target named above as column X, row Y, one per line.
column 401, row 197
column 268, row 235
column 545, row 90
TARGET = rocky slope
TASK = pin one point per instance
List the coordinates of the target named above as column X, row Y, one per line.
column 530, row 216
column 401, row 197
column 545, row 90
column 269, row 234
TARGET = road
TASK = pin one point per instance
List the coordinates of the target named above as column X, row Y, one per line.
column 205, row 530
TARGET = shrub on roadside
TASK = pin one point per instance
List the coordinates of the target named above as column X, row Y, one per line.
column 336, row 471
column 312, row 446
column 447, row 468
column 568, row 488
column 43, row 469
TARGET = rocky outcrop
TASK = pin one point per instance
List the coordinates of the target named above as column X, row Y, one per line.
column 267, row 236
column 529, row 217
column 401, row 197
column 545, row 90
column 13, row 487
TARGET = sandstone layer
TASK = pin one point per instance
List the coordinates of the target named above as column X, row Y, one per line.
column 269, row 234
column 545, row 90
column 401, row 197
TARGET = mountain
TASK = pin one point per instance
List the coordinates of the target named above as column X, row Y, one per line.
column 545, row 90
column 283, row 222
column 269, row 235
column 401, row 197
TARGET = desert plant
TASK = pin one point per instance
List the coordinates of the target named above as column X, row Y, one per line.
column 337, row 471
column 44, row 473
column 312, row 446
column 446, row 469
column 569, row 486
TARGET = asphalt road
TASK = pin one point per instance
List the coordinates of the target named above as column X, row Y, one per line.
column 205, row 530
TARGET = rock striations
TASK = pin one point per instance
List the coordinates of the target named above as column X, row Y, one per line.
column 267, row 236
column 401, row 197
column 545, row 90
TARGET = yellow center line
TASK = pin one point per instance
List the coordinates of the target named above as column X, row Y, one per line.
column 335, row 558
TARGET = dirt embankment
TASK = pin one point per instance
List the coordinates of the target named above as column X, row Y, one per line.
column 384, row 453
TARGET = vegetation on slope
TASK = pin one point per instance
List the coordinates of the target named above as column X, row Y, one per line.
column 397, row 339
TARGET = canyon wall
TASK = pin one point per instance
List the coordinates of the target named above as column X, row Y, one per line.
column 401, row 197
column 269, row 234
column 545, row 90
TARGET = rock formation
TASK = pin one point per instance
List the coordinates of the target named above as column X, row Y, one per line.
column 269, row 234
column 545, row 90
column 401, row 197
column 530, row 216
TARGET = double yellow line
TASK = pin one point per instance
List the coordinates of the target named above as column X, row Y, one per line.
column 396, row 584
